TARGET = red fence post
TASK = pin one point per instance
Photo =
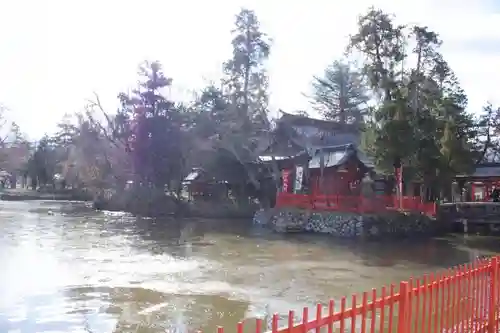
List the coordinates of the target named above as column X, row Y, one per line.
column 492, row 311
column 404, row 295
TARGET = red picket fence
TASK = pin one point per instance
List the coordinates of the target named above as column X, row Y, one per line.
column 355, row 204
column 464, row 299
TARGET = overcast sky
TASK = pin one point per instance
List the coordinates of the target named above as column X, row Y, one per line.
column 54, row 53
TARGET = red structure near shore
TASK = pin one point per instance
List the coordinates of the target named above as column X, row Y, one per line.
column 355, row 204
column 322, row 168
column 479, row 184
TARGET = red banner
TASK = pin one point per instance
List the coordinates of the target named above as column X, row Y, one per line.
column 285, row 175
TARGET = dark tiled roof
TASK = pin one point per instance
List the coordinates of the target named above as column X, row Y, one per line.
column 298, row 120
column 282, row 148
column 192, row 176
column 337, row 140
column 367, row 161
column 319, row 132
column 338, row 155
column 332, row 158
column 485, row 171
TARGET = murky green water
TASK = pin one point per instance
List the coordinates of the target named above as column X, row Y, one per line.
column 66, row 268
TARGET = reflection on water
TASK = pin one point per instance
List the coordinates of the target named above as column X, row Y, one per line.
column 81, row 271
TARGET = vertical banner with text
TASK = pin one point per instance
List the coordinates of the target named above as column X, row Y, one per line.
column 285, row 175
column 299, row 175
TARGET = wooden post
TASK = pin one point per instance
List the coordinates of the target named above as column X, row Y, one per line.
column 321, row 172
column 400, row 186
column 492, row 311
column 398, row 175
column 404, row 307
column 398, row 201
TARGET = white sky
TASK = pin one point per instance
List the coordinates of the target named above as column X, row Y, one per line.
column 55, row 53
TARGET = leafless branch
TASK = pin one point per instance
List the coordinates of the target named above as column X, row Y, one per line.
column 91, row 106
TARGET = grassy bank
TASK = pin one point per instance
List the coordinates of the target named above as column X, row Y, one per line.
column 147, row 202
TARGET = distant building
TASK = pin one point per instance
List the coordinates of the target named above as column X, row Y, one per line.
column 479, row 185
column 198, row 184
column 301, row 146
column 320, row 162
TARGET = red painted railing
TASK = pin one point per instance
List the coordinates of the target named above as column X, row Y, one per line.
column 459, row 300
column 356, row 204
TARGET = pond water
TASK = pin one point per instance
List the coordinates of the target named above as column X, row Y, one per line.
column 66, row 268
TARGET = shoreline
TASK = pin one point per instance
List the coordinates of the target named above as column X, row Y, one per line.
column 187, row 210
column 288, row 221
column 30, row 195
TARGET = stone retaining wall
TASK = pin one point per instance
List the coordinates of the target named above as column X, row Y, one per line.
column 350, row 225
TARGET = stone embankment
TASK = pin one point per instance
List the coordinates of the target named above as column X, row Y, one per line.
column 390, row 224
